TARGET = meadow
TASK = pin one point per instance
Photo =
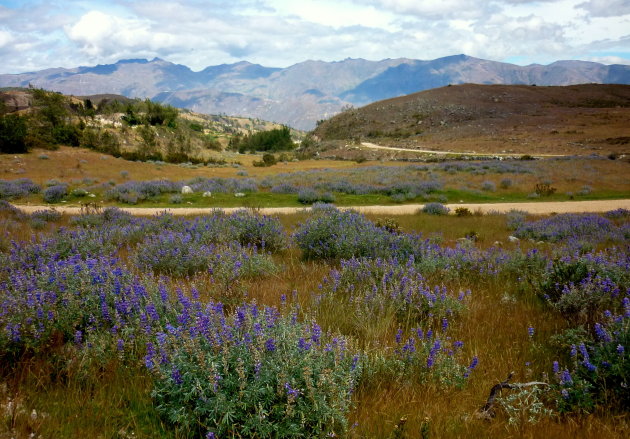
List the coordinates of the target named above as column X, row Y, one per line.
column 319, row 324
column 76, row 176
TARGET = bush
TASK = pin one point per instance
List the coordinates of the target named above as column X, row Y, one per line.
column 274, row 376
column 515, row 219
column 506, row 183
column 599, row 368
column 47, row 215
column 488, row 186
column 13, row 134
column 180, row 254
column 56, row 193
column 14, row 189
column 307, row 196
column 435, row 209
column 544, row 189
column 176, row 199
column 462, row 211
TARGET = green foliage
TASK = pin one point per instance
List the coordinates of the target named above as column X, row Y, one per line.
column 462, row 211
column 271, row 377
column 13, row 134
column 158, row 114
column 278, row 139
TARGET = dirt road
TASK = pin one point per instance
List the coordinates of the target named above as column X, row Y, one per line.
column 428, row 151
column 537, row 207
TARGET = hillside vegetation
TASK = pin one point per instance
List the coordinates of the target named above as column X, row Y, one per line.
column 580, row 119
column 130, row 128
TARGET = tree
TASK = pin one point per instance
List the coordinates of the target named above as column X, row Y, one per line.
column 12, row 134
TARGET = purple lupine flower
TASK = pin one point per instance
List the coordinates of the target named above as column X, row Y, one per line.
column 620, row 349
column 78, row 337
column 565, row 377
column 530, row 331
column 176, row 376
column 565, row 393
column 120, row 345
column 556, row 367
column 270, row 345
column 291, row 391
column 399, row 336
column 148, row 358
column 316, row 333
column 303, row 344
column 355, row 362
column 444, row 324
column 211, row 435
column 601, row 333
column 410, row 347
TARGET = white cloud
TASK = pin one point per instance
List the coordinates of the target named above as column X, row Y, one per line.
column 199, row 33
column 609, row 60
column 606, row 8
column 5, row 38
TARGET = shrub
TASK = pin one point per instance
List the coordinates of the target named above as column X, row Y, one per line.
column 47, row 215
column 462, row 211
column 599, row 370
column 544, row 189
column 79, row 192
column 176, row 199
column 515, row 219
column 285, row 188
column 591, row 227
column 275, row 376
column 179, row 254
column 56, row 193
column 488, row 186
column 14, row 189
column 378, row 296
column 13, row 134
column 435, row 209
column 307, row 196
column 506, row 183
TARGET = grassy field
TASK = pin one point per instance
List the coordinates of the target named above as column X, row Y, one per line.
column 382, row 183
column 61, row 387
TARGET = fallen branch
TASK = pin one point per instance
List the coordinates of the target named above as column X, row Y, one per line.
column 487, row 411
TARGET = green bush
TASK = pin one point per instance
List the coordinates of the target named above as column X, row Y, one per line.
column 253, row 373
column 13, row 134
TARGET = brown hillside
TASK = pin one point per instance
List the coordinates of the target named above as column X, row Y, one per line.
column 520, row 119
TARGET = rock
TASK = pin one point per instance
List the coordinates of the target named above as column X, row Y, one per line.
column 239, row 194
column 207, row 194
column 513, row 239
column 498, row 244
column 187, row 190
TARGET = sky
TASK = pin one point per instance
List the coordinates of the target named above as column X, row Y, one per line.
column 40, row 34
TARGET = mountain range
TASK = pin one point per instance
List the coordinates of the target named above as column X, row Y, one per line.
column 304, row 93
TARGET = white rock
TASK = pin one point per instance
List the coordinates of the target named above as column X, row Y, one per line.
column 207, row 194
column 187, row 190
column 239, row 194
column 513, row 239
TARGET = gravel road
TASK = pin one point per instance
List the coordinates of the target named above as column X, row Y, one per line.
column 535, row 207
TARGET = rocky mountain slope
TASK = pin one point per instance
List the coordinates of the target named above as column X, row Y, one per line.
column 304, row 93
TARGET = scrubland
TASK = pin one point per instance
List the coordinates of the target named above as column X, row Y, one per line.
column 317, row 324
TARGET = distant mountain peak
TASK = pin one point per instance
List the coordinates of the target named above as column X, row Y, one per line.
column 301, row 94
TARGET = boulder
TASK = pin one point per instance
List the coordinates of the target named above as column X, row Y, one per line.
column 187, row 190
